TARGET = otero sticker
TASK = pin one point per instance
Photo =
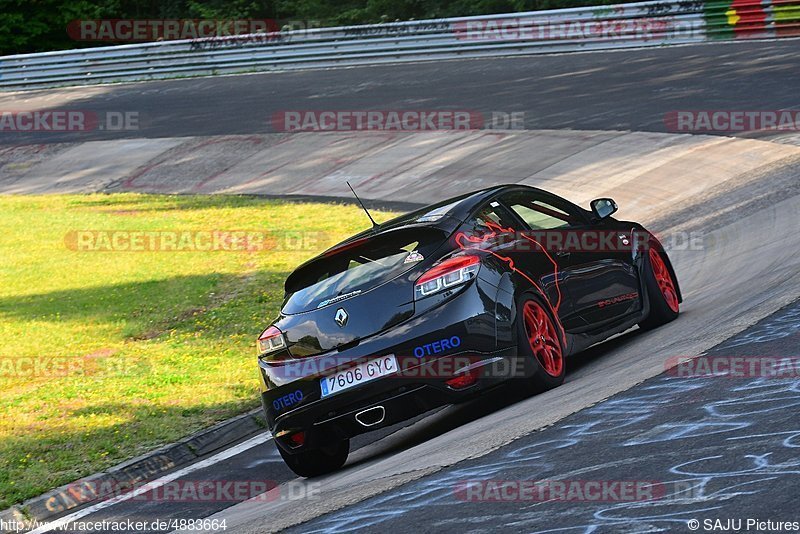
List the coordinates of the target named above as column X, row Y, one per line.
column 437, row 347
column 290, row 399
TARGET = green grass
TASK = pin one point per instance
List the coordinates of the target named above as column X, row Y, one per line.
column 156, row 344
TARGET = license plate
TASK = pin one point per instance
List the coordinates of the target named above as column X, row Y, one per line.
column 359, row 374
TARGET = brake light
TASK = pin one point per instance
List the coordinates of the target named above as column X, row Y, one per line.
column 297, row 439
column 464, row 380
column 271, row 340
column 449, row 273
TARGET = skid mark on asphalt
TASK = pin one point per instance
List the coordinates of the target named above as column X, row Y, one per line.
column 779, row 326
column 725, row 447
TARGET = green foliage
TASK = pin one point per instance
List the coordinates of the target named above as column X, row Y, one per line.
column 39, row 25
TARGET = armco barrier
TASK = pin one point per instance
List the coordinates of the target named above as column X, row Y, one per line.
column 561, row 30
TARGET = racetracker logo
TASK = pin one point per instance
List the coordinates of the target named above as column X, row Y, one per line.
column 732, row 121
column 633, row 27
column 68, row 121
column 140, row 30
column 340, row 121
column 99, row 363
column 425, row 363
column 208, row 491
column 559, row 490
column 786, row 367
column 591, row 241
column 192, row 241
column 395, row 120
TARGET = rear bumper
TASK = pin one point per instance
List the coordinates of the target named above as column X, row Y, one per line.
column 391, row 399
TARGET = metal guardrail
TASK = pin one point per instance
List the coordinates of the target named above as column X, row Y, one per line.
column 654, row 23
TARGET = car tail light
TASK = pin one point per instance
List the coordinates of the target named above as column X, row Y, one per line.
column 450, row 273
column 464, row 380
column 271, row 340
column 297, row 439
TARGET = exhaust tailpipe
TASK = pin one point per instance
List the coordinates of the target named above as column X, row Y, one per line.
column 371, row 416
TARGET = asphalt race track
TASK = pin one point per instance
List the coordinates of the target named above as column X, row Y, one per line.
column 619, row 90
column 724, row 447
column 716, row 448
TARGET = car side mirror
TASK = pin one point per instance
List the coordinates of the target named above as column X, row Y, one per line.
column 604, row 207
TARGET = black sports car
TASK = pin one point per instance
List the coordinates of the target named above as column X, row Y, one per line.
column 443, row 303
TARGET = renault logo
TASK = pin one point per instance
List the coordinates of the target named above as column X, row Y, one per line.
column 341, row 317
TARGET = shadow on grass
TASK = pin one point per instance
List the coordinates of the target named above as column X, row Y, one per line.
column 188, row 202
column 217, row 304
column 148, row 203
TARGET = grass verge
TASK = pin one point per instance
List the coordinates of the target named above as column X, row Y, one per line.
column 108, row 353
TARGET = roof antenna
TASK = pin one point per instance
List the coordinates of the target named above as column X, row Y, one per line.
column 375, row 226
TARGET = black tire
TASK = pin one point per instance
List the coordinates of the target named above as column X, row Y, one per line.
column 661, row 312
column 316, row 462
column 541, row 379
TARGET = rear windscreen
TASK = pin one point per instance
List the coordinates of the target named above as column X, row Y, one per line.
column 359, row 266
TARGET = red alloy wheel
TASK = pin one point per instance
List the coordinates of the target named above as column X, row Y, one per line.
column 542, row 338
column 664, row 280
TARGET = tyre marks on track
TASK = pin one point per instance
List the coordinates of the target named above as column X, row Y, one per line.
column 724, row 447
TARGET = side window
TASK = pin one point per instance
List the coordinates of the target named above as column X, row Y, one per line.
column 490, row 218
column 542, row 214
